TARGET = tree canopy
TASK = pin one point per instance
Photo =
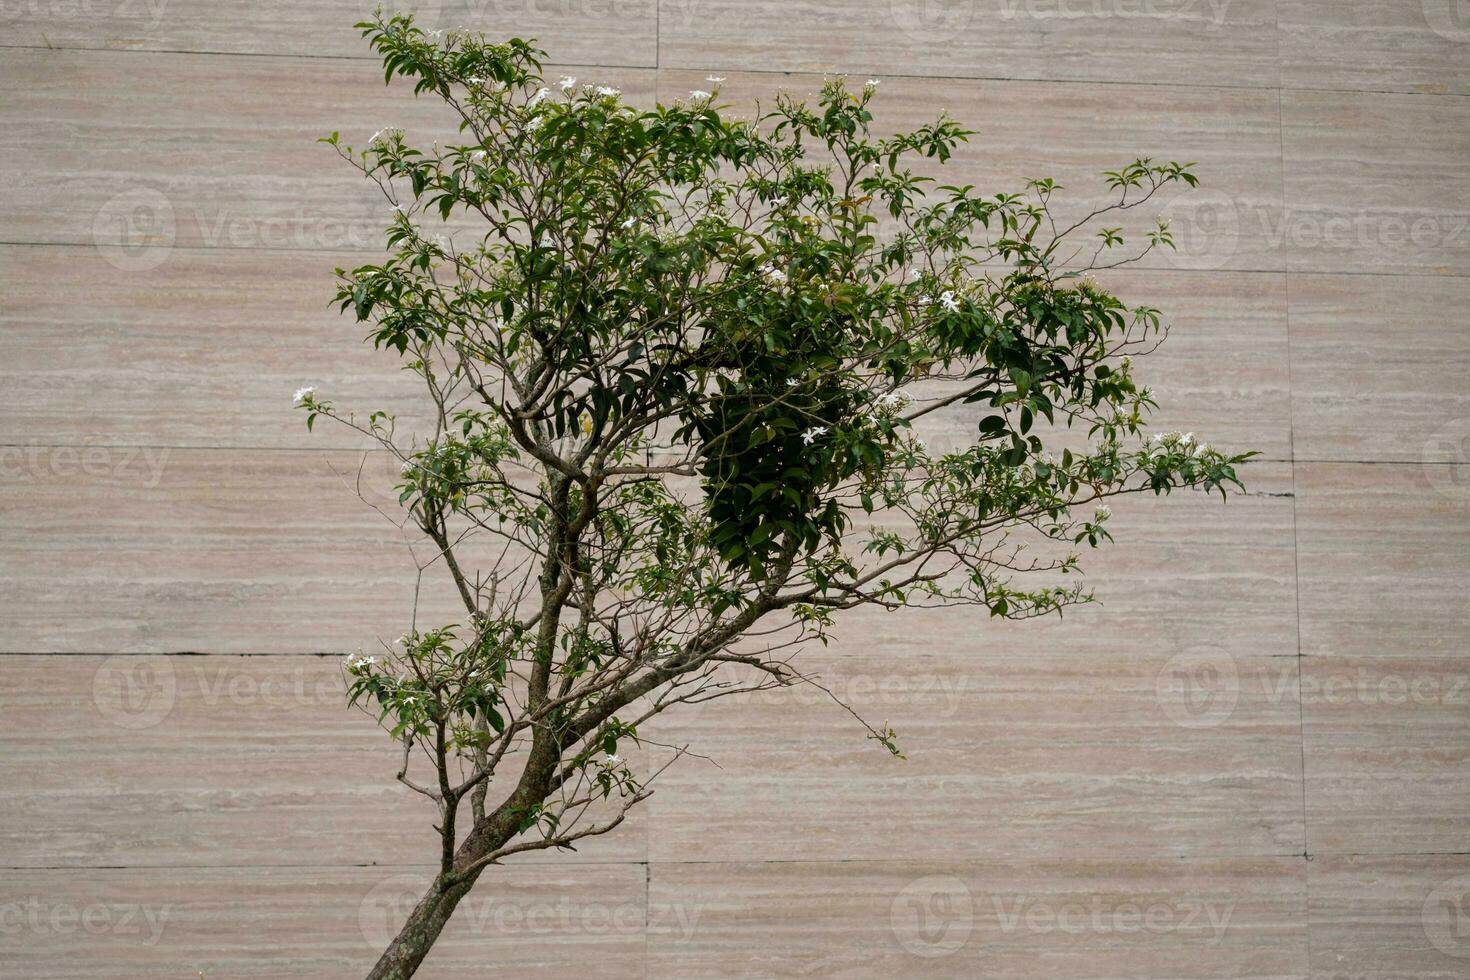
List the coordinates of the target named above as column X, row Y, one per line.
column 681, row 366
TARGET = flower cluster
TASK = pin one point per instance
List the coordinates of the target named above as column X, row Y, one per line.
column 1163, row 443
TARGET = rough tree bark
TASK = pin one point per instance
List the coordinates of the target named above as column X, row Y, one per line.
column 402, row 957
column 407, row 950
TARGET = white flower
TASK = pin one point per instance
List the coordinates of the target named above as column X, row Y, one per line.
column 1103, row 512
column 773, row 274
column 405, row 641
column 407, row 467
column 921, row 445
column 873, row 83
column 567, row 83
column 630, row 222
column 1187, row 438
column 302, row 394
column 539, row 97
column 714, row 78
column 1201, row 450
column 615, row 760
column 894, row 399
column 607, row 91
column 812, row 435
column 479, row 155
column 698, row 95
column 1158, row 438
column 410, row 699
column 947, row 300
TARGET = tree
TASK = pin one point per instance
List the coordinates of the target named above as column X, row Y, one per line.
column 680, row 364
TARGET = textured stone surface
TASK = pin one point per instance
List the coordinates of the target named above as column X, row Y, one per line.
column 1250, row 761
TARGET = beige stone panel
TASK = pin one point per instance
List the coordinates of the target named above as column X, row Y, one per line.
column 1167, row 43
column 141, row 154
column 1378, row 368
column 1032, row 754
column 1386, row 632
column 205, row 349
column 1387, row 753
column 1375, row 183
column 314, row 922
column 1375, row 45
column 1389, row 918
column 1094, row 916
column 217, row 551
column 600, row 32
column 1384, row 553
column 153, row 761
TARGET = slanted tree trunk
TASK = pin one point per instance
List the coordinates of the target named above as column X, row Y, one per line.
column 407, row 950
